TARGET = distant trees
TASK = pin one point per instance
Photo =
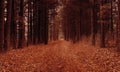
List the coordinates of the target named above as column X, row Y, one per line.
column 40, row 22
column 106, row 21
column 77, row 21
column 94, row 18
column 37, row 22
column 29, row 21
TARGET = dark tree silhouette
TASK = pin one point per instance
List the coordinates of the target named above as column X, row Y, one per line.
column 14, row 24
column 118, row 29
column 7, row 25
column 2, row 8
column 21, row 25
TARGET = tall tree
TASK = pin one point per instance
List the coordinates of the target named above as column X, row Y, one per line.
column 21, row 25
column 2, row 7
column 118, row 28
column 14, row 24
column 7, row 25
column 46, row 24
column 35, row 21
column 95, row 23
column 30, row 21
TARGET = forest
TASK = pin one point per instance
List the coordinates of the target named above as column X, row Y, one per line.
column 59, row 35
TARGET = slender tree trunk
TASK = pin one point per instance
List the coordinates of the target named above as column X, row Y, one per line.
column 35, row 22
column 7, row 25
column 118, row 29
column 102, row 35
column 94, row 26
column 21, row 26
column 102, row 28
column 13, row 36
column 46, row 25
column 31, row 24
column 111, row 25
column 2, row 7
column 28, row 33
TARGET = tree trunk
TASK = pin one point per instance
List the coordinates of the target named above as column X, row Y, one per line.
column 2, row 4
column 102, row 35
column 21, row 26
column 118, row 29
column 7, row 25
column 94, row 26
column 46, row 25
column 14, row 24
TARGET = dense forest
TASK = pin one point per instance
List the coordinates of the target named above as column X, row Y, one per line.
column 26, row 23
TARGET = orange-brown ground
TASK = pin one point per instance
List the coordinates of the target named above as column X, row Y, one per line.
column 61, row 56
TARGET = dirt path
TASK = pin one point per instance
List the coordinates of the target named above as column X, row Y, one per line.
column 61, row 56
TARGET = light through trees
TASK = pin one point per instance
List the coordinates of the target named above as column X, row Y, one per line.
column 27, row 22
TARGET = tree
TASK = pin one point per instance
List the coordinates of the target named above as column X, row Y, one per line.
column 30, row 22
column 118, row 28
column 2, row 7
column 46, row 24
column 7, row 25
column 14, row 24
column 95, row 23
column 21, row 26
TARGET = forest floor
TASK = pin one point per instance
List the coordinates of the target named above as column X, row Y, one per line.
column 61, row 56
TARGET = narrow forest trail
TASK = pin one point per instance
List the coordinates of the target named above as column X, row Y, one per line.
column 61, row 56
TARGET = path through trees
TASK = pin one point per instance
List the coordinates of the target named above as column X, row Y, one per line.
column 61, row 56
